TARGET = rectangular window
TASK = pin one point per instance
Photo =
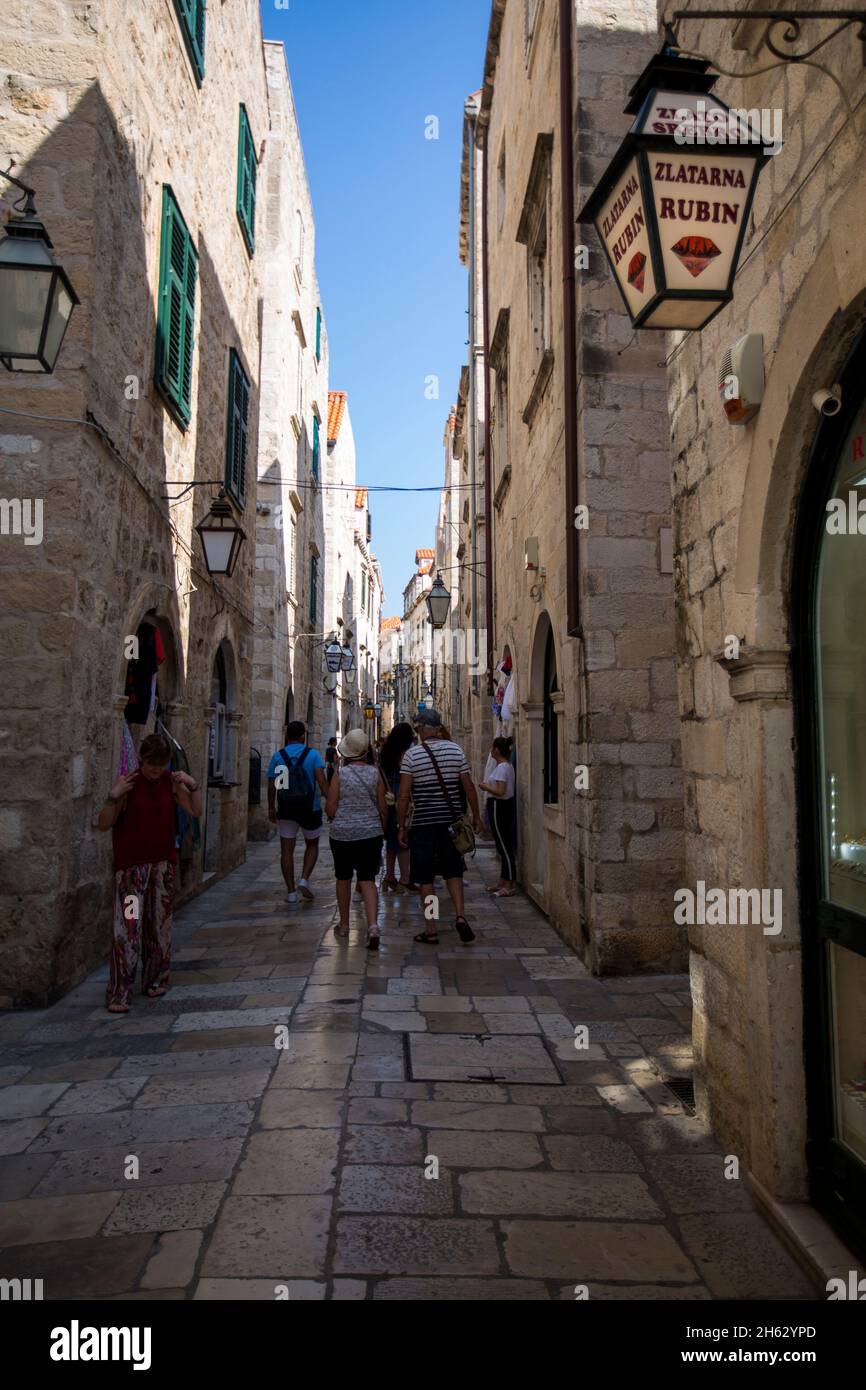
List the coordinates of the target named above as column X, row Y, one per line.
column 363, row 590
column 316, row 448
column 246, row 197
column 539, row 295
column 318, row 335
column 314, row 588
column 190, row 13
column 237, row 429
column 175, row 322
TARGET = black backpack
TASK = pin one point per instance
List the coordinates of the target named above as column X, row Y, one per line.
column 295, row 802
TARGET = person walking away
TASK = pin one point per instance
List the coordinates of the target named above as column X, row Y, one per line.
column 399, row 740
column 432, row 775
column 297, row 805
column 356, row 808
column 501, row 811
column 331, row 759
column 140, row 810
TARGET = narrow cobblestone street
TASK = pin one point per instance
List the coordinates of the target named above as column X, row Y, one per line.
column 305, row 1166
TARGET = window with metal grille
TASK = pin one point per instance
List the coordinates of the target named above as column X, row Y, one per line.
column 237, row 429
column 175, row 324
column 246, row 199
column 191, row 15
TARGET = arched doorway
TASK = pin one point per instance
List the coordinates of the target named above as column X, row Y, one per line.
column 829, row 663
column 289, row 712
column 222, row 748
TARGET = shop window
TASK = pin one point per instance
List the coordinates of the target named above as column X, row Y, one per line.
column 841, row 664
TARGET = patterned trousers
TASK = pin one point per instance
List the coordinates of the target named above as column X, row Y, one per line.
column 143, row 901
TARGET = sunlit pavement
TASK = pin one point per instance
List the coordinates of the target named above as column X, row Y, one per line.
column 311, row 1170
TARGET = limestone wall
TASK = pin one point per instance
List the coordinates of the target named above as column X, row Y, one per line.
column 801, row 284
column 100, row 109
column 602, row 861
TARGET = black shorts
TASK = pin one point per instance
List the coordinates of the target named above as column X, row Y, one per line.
column 361, row 857
column 432, row 852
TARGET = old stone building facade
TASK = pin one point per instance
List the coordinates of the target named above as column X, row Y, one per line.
column 292, row 458
column 353, row 580
column 578, row 505
column 130, row 129
column 770, row 642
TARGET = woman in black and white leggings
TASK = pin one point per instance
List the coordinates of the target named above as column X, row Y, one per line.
column 502, row 817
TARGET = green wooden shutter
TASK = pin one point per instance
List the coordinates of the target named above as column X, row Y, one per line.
column 246, row 193
column 316, row 448
column 237, row 429
column 191, row 14
column 175, row 329
column 318, row 335
column 314, row 581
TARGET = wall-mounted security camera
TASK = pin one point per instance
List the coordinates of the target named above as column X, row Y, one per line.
column 828, row 402
column 741, row 380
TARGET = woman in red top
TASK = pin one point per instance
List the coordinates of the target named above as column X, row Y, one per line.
column 140, row 809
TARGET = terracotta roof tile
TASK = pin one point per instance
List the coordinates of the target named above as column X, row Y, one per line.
column 360, row 498
column 390, row 624
column 336, row 410
column 424, row 555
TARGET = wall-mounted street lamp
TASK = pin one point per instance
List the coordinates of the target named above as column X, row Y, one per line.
column 36, row 297
column 438, row 602
column 672, row 206
column 333, row 656
column 221, row 537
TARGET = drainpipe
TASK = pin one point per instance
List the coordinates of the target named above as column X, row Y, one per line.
column 471, row 113
column 488, row 462
column 569, row 333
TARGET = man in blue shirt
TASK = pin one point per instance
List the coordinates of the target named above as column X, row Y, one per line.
column 297, row 768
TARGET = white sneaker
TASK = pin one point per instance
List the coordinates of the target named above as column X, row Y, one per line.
column 306, row 890
column 291, row 897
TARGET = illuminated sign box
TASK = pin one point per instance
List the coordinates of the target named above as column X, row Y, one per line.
column 672, row 207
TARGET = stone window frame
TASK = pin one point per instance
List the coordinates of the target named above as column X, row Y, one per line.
column 534, row 232
column 499, row 422
column 531, row 15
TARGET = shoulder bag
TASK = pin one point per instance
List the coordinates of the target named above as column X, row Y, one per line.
column 460, row 828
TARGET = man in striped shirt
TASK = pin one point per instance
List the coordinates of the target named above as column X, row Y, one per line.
column 436, row 807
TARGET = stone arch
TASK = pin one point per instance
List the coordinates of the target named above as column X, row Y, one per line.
column 814, row 344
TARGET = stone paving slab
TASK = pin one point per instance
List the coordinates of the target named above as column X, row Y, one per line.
column 185, row 1152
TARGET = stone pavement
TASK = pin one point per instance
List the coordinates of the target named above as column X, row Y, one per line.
column 178, row 1153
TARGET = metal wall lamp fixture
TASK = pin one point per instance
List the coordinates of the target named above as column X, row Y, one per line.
column 792, row 19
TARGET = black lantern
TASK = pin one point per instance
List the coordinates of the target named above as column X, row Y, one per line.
column 671, row 208
column 369, row 710
column 221, row 537
column 36, row 298
column 333, row 656
column 438, row 603
column 347, row 658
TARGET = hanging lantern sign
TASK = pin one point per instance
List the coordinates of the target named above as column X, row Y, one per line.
column 672, row 207
column 369, row 710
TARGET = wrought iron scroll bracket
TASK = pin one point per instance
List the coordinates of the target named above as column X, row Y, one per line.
column 789, row 22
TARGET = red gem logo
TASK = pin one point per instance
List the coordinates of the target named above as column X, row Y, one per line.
column 637, row 270
column 695, row 252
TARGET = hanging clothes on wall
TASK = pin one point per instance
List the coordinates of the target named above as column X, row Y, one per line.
column 508, row 703
column 141, row 672
column 128, row 757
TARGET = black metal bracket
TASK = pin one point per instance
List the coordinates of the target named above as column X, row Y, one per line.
column 793, row 20
column 29, row 208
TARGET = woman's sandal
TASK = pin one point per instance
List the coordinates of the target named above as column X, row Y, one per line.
column 372, row 941
column 428, row 940
column 464, row 931
column 117, row 1008
column 389, row 885
column 155, row 991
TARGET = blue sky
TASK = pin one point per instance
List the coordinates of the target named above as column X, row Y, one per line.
column 366, row 75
